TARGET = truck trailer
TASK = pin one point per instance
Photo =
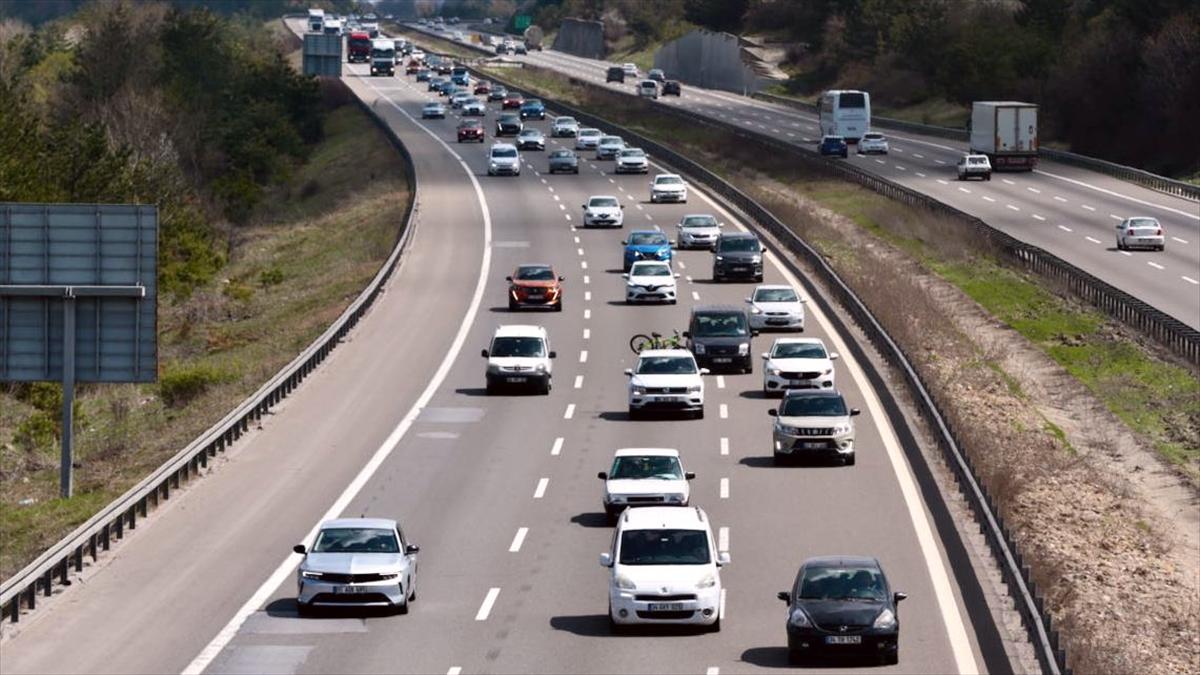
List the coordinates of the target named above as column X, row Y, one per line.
column 383, row 57
column 1007, row 132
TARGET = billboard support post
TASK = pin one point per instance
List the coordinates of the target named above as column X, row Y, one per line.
column 65, row 484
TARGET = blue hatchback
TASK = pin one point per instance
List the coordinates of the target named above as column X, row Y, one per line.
column 834, row 145
column 646, row 245
column 533, row 109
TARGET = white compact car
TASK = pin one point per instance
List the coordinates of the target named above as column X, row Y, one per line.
column 587, row 139
column 645, row 477
column 797, row 363
column 504, row 158
column 474, row 108
column 776, row 307
column 603, row 211
column 520, row 356
column 609, row 147
column 698, row 230
column 648, row 89
column 666, row 380
column 650, row 281
column 564, row 127
column 665, row 569
column 872, row 143
column 632, row 160
column 974, row 166
column 360, row 562
column 668, row 187
column 630, row 69
column 1141, row 232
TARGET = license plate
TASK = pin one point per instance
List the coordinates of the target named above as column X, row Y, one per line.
column 777, row 322
column 812, row 446
column 739, row 269
column 723, row 359
column 843, row 639
column 352, row 590
column 518, row 379
column 666, row 607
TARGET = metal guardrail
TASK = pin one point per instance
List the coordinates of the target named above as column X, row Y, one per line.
column 97, row 535
column 1153, row 181
column 1016, row 574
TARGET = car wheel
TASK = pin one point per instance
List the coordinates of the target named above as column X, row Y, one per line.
column 304, row 609
column 546, row 387
column 890, row 659
column 635, row 414
column 491, row 388
column 795, row 657
column 613, row 626
column 759, row 278
column 402, row 608
column 700, row 414
column 778, row 459
column 1120, row 245
column 558, row 307
column 512, row 306
column 848, row 460
column 715, row 627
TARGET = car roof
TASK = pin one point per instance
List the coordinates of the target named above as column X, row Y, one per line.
column 699, row 309
column 812, row 393
column 659, row 353
column 644, row 452
column 602, row 197
column 840, row 561
column 546, row 266
column 650, row 231
column 666, row 175
column 660, row 517
column 798, row 341
column 503, row 146
column 772, row 287
column 520, row 330
column 377, row 523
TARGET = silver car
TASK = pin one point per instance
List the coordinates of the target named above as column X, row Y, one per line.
column 812, row 423
column 871, row 143
column 564, row 127
column 359, row 562
column 609, row 146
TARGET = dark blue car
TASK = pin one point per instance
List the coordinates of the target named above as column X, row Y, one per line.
column 646, row 245
column 834, row 145
column 533, row 109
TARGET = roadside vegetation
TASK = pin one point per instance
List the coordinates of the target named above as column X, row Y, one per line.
column 1042, row 390
column 277, row 227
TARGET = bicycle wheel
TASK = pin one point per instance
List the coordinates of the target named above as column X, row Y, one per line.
column 639, row 342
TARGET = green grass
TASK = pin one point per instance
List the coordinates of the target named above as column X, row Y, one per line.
column 935, row 111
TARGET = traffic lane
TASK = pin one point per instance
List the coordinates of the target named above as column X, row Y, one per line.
column 309, row 449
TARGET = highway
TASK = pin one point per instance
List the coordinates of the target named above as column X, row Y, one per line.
column 501, row 492
column 1068, row 211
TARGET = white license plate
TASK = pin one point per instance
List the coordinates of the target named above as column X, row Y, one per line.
column 843, row 639
column 518, row 379
column 812, row 445
column 666, row 607
column 723, row 359
column 353, row 590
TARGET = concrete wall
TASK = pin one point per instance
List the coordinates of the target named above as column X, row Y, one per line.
column 581, row 38
column 710, row 60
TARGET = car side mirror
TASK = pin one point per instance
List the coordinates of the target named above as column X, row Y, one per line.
column 584, row 206
column 773, row 412
column 625, row 275
column 784, row 596
column 754, row 333
column 603, row 475
column 686, row 334
column 705, row 371
column 483, row 353
column 765, row 356
column 412, row 549
column 562, row 278
column 834, row 356
column 897, row 597
column 629, row 372
column 689, row 475
column 508, row 278
column 855, row 411
column 764, row 249
column 299, row 548
column 553, row 354
column 622, row 207
column 749, row 301
column 722, row 558
column 606, row 560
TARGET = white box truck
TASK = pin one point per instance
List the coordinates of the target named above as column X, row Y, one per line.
column 316, row 20
column 1007, row 132
column 383, row 57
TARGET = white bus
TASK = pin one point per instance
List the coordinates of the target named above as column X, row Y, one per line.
column 845, row 113
column 316, row 20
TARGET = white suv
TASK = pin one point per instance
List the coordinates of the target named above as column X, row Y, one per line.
column 798, row 363
column 519, row 356
column 665, row 569
column 668, row 187
column 603, row 211
column 645, row 477
column 504, row 158
column 650, row 281
column 666, row 379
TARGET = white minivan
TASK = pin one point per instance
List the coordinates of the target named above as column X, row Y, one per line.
column 520, row 356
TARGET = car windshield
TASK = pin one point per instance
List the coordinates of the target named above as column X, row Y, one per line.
column 813, row 406
column 700, row 221
column 530, row 133
column 739, row 245
column 654, row 466
column 562, row 154
column 666, row 365
column 533, row 103
column 534, row 273
column 664, row 547
column 649, row 270
column 433, row 106
column 720, row 324
column 470, row 124
column 527, row 347
column 611, row 140
column 667, row 180
column 633, row 152
column 564, row 120
column 589, row 132
column 647, row 239
column 775, row 295
column 602, row 201
column 356, row 540
column 798, row 350
column 504, row 152
column 843, row 583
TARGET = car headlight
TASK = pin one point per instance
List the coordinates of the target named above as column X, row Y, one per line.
column 798, row 618
column 756, row 259
column 785, row 429
column 625, row 583
column 774, row 371
column 639, row 391
column 828, row 371
column 744, row 349
column 676, row 497
column 631, row 284
column 310, row 575
column 695, row 389
column 493, row 368
column 699, row 348
column 755, row 310
column 842, row 429
column 663, row 253
column 720, row 258
column 385, row 577
column 541, row 367
column 707, row 581
column 886, row 620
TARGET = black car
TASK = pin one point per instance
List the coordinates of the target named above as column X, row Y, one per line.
column 564, row 161
column 719, row 337
column 842, row 605
column 615, row 74
column 509, row 125
column 671, row 88
column 738, row 255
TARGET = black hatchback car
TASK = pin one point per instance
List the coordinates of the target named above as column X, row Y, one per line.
column 842, row 605
column 508, row 125
column 738, row 255
column 563, row 161
column 719, row 337
column 614, row 74
column 671, row 88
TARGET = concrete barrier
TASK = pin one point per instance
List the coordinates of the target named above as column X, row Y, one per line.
column 711, row 60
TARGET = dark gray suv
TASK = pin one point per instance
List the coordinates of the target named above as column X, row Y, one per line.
column 738, row 255
column 719, row 337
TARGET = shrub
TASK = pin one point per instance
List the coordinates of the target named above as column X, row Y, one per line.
column 37, row 431
column 272, row 276
column 180, row 386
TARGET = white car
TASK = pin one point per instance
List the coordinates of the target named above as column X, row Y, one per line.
column 650, row 281
column 630, row 69
column 974, row 166
column 645, row 477
column 648, row 89
column 872, row 143
column 458, row 100
column 668, row 187
column 587, row 139
column 474, row 108
column 665, row 568
column 603, row 211
column 609, row 147
column 666, row 380
column 504, row 158
column 779, row 307
column 564, row 127
column 698, row 230
column 417, row 55
column 1140, row 232
column 520, row 356
column 361, row 562
column 797, row 363
column 632, row 160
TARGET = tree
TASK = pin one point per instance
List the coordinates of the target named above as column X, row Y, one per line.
column 718, row 15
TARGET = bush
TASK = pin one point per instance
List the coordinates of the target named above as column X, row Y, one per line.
column 37, row 431
column 181, row 386
column 272, row 276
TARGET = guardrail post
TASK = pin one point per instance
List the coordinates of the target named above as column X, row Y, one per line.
column 14, row 608
column 31, row 596
column 48, row 582
column 79, row 558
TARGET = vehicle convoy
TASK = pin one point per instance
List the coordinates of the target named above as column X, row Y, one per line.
column 1007, row 132
column 668, row 187
column 719, row 336
column 563, row 161
column 533, row 109
column 587, row 138
column 609, row 146
column 664, row 569
column 535, row 285
column 470, row 130
column 813, row 424
column 842, row 604
column 509, row 125
column 666, row 380
column 650, row 281
column 845, row 113
column 645, row 477
column 316, row 20
column 360, row 562
column 797, row 363
column 383, row 57
column 564, row 127
column 520, row 356
column 504, row 158
column 433, row 110
column 531, row 139
column 632, row 160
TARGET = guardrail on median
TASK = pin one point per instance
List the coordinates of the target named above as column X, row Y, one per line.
column 99, row 532
column 1141, row 177
column 1016, row 574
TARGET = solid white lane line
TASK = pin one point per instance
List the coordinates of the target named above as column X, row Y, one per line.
column 519, row 539
column 1190, row 280
column 723, row 539
column 1155, row 265
column 988, row 199
column 540, row 490
column 724, row 411
column 1186, row 214
column 1094, row 241
column 1014, row 208
column 579, row 382
column 583, row 356
column 1182, row 241
column 1059, row 199
column 486, row 607
column 1089, row 208
column 587, row 313
column 285, row 569
column 724, row 445
column 695, row 295
column 720, row 382
column 1037, row 217
column 556, row 449
column 724, row 488
column 1064, row 228
column 570, row 411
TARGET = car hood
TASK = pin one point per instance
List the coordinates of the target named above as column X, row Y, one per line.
column 721, row 341
column 816, row 422
column 652, row 281
column 633, row 160
column 532, row 138
column 843, row 612
column 674, row 578
column 668, row 187
column 563, row 160
column 665, row 380
column 646, row 248
column 646, row 486
column 701, row 231
column 529, row 283
column 353, row 563
column 528, row 362
column 801, row 365
column 739, row 255
column 504, row 160
column 604, row 210
column 787, row 307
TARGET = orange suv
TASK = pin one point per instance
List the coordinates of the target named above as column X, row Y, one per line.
column 535, row 286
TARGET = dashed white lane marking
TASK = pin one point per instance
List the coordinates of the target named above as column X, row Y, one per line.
column 587, row 279
column 576, row 240
column 544, row 183
column 939, row 161
column 648, row 217
column 1182, row 241
column 963, row 189
column 1125, row 253
column 486, row 607
column 579, row 251
column 920, row 175
column 988, row 199
column 583, row 264
column 519, row 539
column 688, row 278
column 724, row 445
column 723, row 539
column 587, row 295
column 556, row 198
column 1064, row 228
column 1115, row 216
column 454, row 670
column 724, row 411
column 1190, row 280
column 942, row 181
column 587, row 313
column 1007, row 181
column 563, row 207
column 583, row 356
column 1155, row 265
column 918, row 156
column 621, row 188
column 684, row 267
column 900, row 168
column 791, row 134
column 550, row 189
column 1034, row 190
column 695, row 295
column 579, row 382
column 1094, row 241
column 587, row 333
column 1089, row 208
column 880, row 161
column 639, row 207
column 540, row 490
column 720, row 382
column 612, row 181
column 724, row 488
column 570, row 411
column 556, row 449
column 1059, row 199
column 1014, row 208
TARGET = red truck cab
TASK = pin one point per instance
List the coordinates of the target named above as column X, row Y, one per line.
column 359, row 47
